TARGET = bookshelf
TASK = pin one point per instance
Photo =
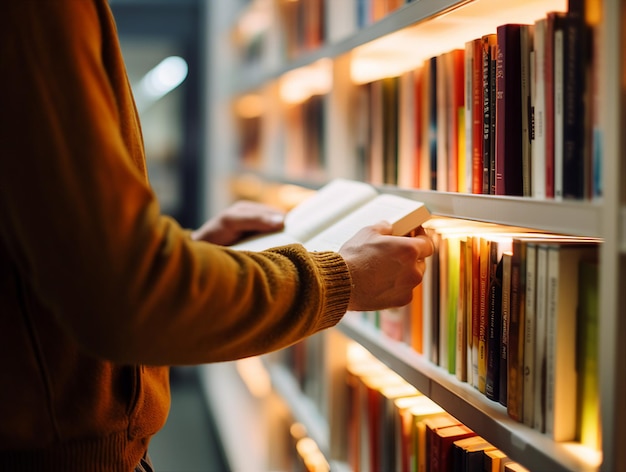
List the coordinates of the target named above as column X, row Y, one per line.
column 414, row 32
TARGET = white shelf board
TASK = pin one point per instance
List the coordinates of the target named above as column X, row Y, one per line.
column 581, row 218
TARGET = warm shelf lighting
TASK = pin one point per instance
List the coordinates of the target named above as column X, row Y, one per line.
column 591, row 457
column 407, row 49
column 249, row 106
column 297, row 430
column 311, row 455
column 298, row 85
column 255, row 376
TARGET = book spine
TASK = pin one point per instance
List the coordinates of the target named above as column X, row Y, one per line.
column 538, row 155
column 453, row 314
column 456, row 161
column 444, row 320
column 588, row 366
column 468, row 309
column 468, row 115
column 504, row 343
column 434, row 297
column 433, row 121
column 483, row 319
column 516, row 345
column 390, row 86
column 526, row 71
column 509, row 146
column 574, row 91
column 559, row 45
column 460, row 340
column 406, row 134
column 529, row 334
column 539, row 391
column 492, row 382
column 475, row 309
column 423, row 132
column 488, row 109
column 443, row 122
column 560, row 416
column 477, row 117
column 549, row 103
column 492, row 114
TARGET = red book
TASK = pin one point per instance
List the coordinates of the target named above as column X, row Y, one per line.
column 441, row 446
column 508, row 111
column 456, row 79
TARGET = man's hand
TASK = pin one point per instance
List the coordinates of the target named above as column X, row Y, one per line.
column 241, row 219
column 384, row 268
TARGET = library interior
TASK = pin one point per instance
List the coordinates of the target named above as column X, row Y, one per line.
column 493, row 127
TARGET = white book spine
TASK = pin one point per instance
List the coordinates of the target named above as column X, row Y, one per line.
column 561, row 379
column 558, row 114
column 538, row 156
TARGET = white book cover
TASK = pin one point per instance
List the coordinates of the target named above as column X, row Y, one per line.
column 336, row 212
column 538, row 154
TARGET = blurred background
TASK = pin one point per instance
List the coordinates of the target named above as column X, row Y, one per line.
column 162, row 42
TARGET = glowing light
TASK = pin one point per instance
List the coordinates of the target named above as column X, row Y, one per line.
column 165, row 77
column 408, row 48
column 249, row 106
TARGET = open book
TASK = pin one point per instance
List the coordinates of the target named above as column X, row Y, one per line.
column 337, row 211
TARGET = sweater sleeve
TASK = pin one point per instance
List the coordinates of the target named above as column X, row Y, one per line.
column 84, row 226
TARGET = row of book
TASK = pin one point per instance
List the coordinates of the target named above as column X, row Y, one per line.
column 392, row 426
column 511, row 113
column 309, row 24
column 294, row 28
column 515, row 314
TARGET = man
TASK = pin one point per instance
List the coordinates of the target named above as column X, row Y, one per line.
column 99, row 292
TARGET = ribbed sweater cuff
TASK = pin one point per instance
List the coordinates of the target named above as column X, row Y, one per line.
column 115, row 453
column 338, row 285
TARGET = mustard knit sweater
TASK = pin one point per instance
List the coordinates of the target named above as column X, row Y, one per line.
column 98, row 291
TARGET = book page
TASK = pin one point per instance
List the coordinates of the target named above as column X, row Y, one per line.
column 403, row 213
column 326, row 206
